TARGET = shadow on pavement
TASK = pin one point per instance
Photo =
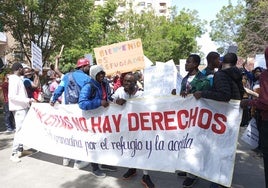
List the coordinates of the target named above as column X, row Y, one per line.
column 6, row 142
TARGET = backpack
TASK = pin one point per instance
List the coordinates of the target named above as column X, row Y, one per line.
column 72, row 92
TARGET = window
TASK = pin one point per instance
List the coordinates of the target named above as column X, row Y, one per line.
column 141, row 4
column 163, row 4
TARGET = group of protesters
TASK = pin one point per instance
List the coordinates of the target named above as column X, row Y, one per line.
column 221, row 80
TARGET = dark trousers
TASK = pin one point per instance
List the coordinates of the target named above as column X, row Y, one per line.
column 8, row 118
column 264, row 147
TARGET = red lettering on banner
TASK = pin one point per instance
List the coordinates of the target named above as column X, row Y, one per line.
column 50, row 120
column 117, row 122
column 143, row 120
column 202, row 113
column 83, row 124
column 169, row 120
column 220, row 120
column 193, row 116
column 65, row 123
column 133, row 125
column 202, row 118
column 96, row 125
column 185, row 115
column 39, row 114
column 106, row 125
column 157, row 119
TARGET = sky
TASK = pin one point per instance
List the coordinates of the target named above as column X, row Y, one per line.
column 207, row 10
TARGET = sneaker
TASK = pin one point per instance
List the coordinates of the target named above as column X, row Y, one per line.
column 146, row 181
column 98, row 173
column 108, row 168
column 15, row 158
column 189, row 182
column 131, row 172
column 80, row 164
column 20, row 151
column 66, row 161
column 9, row 131
column 182, row 174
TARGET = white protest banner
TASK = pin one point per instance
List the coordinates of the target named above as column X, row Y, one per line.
column 260, row 61
column 37, row 62
column 121, row 57
column 159, row 80
column 251, row 134
column 183, row 72
column 164, row 134
column 147, row 62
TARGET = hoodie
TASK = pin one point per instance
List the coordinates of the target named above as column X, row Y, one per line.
column 88, row 102
column 94, row 70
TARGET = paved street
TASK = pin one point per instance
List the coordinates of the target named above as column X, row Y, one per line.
column 42, row 170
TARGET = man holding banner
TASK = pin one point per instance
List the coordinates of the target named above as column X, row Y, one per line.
column 227, row 85
column 80, row 76
column 93, row 95
column 130, row 89
column 193, row 81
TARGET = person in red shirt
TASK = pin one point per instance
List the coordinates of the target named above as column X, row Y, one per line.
column 8, row 115
column 261, row 103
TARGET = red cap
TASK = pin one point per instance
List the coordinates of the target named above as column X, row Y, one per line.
column 82, row 62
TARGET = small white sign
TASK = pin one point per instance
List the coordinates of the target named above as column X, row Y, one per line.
column 260, row 61
column 37, row 62
column 159, row 80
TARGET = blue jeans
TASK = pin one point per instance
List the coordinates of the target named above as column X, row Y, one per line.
column 8, row 118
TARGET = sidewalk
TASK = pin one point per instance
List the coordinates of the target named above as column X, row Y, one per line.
column 46, row 171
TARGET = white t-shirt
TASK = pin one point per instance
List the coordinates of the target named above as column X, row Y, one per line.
column 17, row 95
column 120, row 93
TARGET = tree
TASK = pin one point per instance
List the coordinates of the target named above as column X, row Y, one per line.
column 226, row 26
column 164, row 39
column 253, row 37
column 48, row 23
column 101, row 29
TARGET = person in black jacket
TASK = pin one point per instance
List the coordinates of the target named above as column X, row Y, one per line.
column 227, row 82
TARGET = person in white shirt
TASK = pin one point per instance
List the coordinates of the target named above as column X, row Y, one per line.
column 19, row 104
column 128, row 90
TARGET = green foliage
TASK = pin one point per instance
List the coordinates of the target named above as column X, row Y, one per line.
column 226, row 26
column 253, row 37
column 48, row 23
column 165, row 39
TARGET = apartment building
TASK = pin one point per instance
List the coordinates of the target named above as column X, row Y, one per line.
column 7, row 43
column 160, row 7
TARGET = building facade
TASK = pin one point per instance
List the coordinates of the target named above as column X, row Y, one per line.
column 160, row 7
